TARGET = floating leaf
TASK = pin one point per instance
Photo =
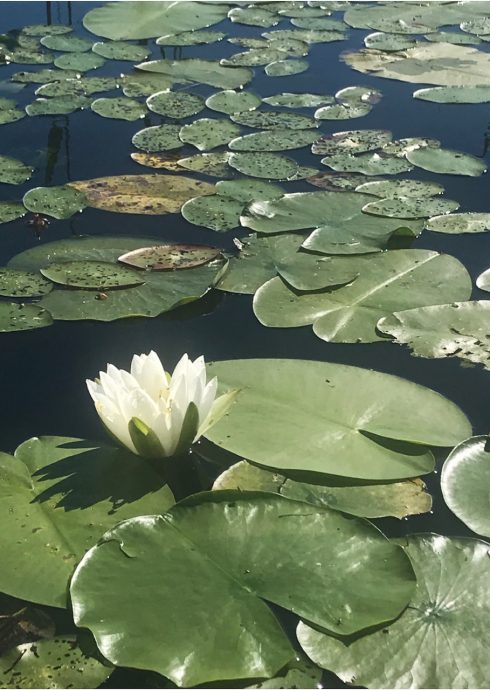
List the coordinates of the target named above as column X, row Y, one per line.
column 465, row 483
column 393, row 189
column 477, row 25
column 11, row 210
column 299, row 100
column 410, row 207
column 271, row 119
column 81, row 62
column 380, row 40
column 368, row 163
column 300, row 673
column 300, row 416
column 175, row 104
column 46, row 29
column 274, row 140
column 252, row 57
column 460, row 329
column 446, row 161
column 6, row 103
column 22, row 317
column 391, row 280
column 253, row 16
column 44, row 76
column 285, row 68
column 456, row 223
column 208, row 133
column 120, row 108
column 248, row 190
column 190, row 38
column 353, row 141
column 454, row 94
column 163, row 257
column 98, row 275
column 61, row 105
column 310, row 22
column 14, row 283
column 400, row 147
column 343, row 111
column 358, row 94
column 13, row 171
column 86, row 86
column 453, row 37
column 290, row 47
column 11, row 115
column 267, row 165
column 335, row 182
column 158, row 138
column 119, row 50
column 66, row 43
column 27, row 56
column 440, row 639
column 232, row 101
column 166, row 161
column 200, row 71
column 147, row 194
column 214, row 164
column 307, row 36
column 144, row 84
column 58, row 202
column 219, row 213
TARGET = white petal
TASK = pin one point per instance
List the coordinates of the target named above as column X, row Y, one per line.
column 116, row 423
column 207, row 399
column 149, row 373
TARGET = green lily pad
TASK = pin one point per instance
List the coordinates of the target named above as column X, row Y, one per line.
column 268, row 165
column 135, row 21
column 46, row 29
column 86, row 86
column 44, row 76
column 120, row 50
column 22, row 317
column 274, row 140
column 200, row 71
column 13, row 171
column 343, row 111
column 454, row 94
column 174, row 104
column 483, row 281
column 58, row 202
column 299, row 100
column 400, row 147
column 441, row 637
column 380, row 40
column 97, row 275
column 158, row 138
column 59, row 495
column 454, row 37
column 219, row 213
column 290, row 47
column 81, row 62
column 410, row 207
column 11, row 210
column 66, row 43
column 393, row 189
column 239, row 569
column 164, row 257
column 14, row 283
column 359, row 94
column 352, row 141
column 252, row 58
column 27, row 56
column 477, row 25
column 397, row 499
column 144, row 84
column 305, row 35
column 7, row 103
column 213, row 164
column 336, row 182
column 456, row 223
column 323, row 23
column 11, row 115
column 301, row 416
column 388, row 281
column 369, row 163
column 232, row 101
column 119, row 108
column 248, row 190
column 458, row 330
column 54, row 663
column 208, row 133
column 190, row 38
column 285, row 68
column 60, row 105
column 446, row 161
column 271, row 119
column 300, row 673
column 465, row 483
column 253, row 16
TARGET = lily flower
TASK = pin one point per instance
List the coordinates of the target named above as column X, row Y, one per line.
column 155, row 414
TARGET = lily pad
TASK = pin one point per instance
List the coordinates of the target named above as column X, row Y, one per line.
column 368, row 163
column 446, row 161
column 248, row 190
column 456, row 223
column 271, row 119
column 286, row 68
column 274, row 140
column 232, row 101
column 252, row 58
column 164, row 257
column 213, row 164
column 11, row 210
column 144, row 84
column 86, row 86
column 190, row 38
column 387, row 282
column 453, row 37
column 306, row 35
column 7, row 103
column 97, row 275
column 268, row 165
column 147, row 194
column 460, row 329
column 381, row 40
column 208, row 133
column 410, row 207
column 454, row 94
column 299, row 100
column 217, row 212
column 60, row 105
column 200, row 71
column 22, row 317
column 239, row 569
column 119, row 50
column 300, row 673
column 446, row 620
column 400, row 147
column 165, row 161
column 174, row 104
column 80, row 62
column 13, row 171
column 58, row 202
column 44, row 76
column 28, row 56
column 359, row 94
column 337, row 182
column 465, row 483
column 120, row 108
column 343, row 111
column 320, row 22
column 393, row 189
column 301, row 416
column 15, row 283
column 158, row 138
column 66, row 43
column 253, row 16
column 352, row 141
column 11, row 115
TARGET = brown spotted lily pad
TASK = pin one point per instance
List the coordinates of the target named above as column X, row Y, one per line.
column 163, row 257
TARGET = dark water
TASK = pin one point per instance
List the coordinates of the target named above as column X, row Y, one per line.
column 43, row 371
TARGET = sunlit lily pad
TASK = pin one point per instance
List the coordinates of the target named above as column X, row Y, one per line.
column 15, row 283
column 454, row 94
column 307, row 36
column 44, row 76
column 252, row 58
column 253, row 16
column 368, row 163
column 165, row 161
column 200, row 71
column 456, row 223
column 144, row 84
column 352, row 141
column 7, row 103
column 119, row 50
column 274, row 140
column 446, row 161
column 26, row 56
column 460, row 329
column 86, row 86
column 343, row 111
column 381, row 40
column 248, row 190
column 465, row 483
column 400, row 147
column 299, row 100
column 300, row 673
column 58, row 202
column 81, row 62
column 454, row 37
column 158, row 138
column 60, row 105
column 477, row 25
column 290, row 47
column 214, row 164
column 392, row 189
column 8, row 115
column 164, row 257
column 268, row 165
column 13, row 171
column 174, row 104
column 410, row 207
column 120, row 108
column 208, row 133
column 440, row 639
column 66, row 43
column 11, row 210
column 337, row 181
column 190, row 38
column 219, row 213
column 271, row 119
column 483, row 281
column 309, row 22
column 22, row 317
column 147, row 194
column 298, row 415
column 232, row 101
column 98, row 275
column 359, row 94
column 285, row 68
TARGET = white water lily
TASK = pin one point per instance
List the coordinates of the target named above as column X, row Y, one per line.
column 154, row 414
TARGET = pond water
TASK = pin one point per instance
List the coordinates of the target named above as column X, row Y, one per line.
column 43, row 371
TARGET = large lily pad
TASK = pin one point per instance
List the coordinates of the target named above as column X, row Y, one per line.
column 200, row 71
column 439, row 641
column 238, row 569
column 393, row 189
column 381, row 40
column 85, row 86
column 44, row 76
column 164, row 257
column 217, row 212
column 174, row 104
column 465, row 483
column 208, row 133
column 22, row 317
column 247, row 190
column 147, row 194
column 144, row 84
column 131, row 20
column 387, row 282
column 343, row 111
column 157, row 138
column 274, row 140
column 120, row 108
column 13, row 171
column 271, row 119
column 253, row 16
column 99, row 275
column 446, row 161
column 306, row 35
column 410, row 207
column 458, row 330
column 456, row 223
column 190, row 38
column 260, row 164
column 58, row 202
column 59, row 495
column 299, row 100
column 454, row 94
column 14, row 283
column 8, row 115
column 301, row 416
column 252, row 58
column 119, row 50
